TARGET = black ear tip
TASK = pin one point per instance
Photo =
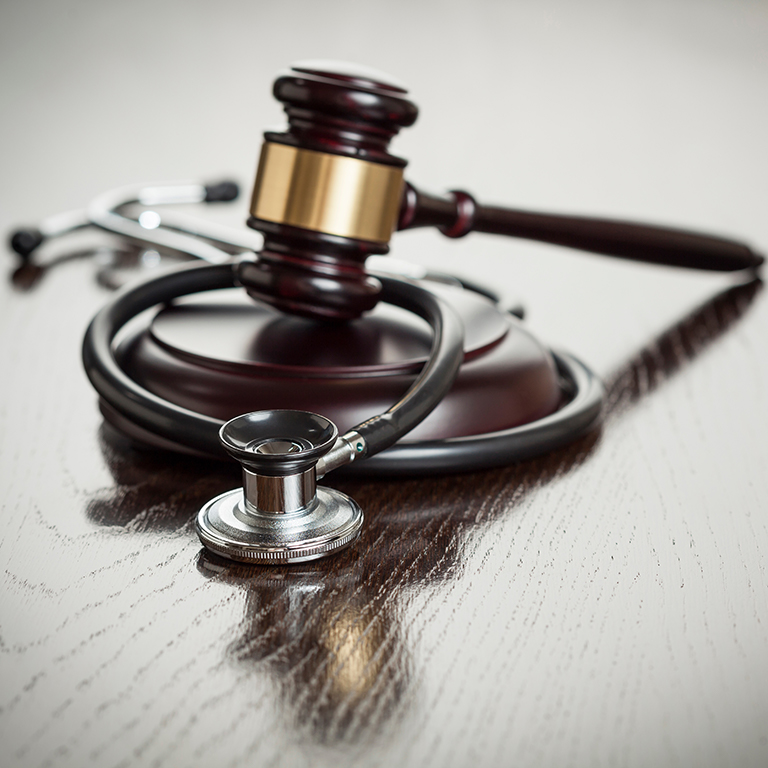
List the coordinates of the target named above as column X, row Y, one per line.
column 24, row 241
column 222, row 192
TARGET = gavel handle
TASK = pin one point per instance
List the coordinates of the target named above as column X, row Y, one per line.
column 459, row 214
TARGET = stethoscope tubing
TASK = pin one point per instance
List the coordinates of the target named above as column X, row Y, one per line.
column 128, row 398
column 579, row 416
column 200, row 432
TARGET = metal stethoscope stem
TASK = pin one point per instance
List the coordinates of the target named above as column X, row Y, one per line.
column 170, row 231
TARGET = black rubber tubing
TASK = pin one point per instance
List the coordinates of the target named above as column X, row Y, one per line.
column 437, row 375
column 201, row 433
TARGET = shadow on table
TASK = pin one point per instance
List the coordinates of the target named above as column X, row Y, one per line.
column 677, row 347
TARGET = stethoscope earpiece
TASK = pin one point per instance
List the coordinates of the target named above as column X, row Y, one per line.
column 280, row 515
column 25, row 241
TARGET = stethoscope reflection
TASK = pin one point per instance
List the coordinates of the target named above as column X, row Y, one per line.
column 114, row 266
column 332, row 642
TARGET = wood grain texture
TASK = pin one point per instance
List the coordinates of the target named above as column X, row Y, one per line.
column 606, row 605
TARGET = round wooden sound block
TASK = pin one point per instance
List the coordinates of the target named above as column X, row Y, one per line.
column 221, row 354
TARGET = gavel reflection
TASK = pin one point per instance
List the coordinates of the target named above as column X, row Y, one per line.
column 328, row 194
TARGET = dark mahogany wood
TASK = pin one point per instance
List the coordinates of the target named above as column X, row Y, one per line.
column 311, row 274
column 122, row 637
column 460, row 214
column 343, row 110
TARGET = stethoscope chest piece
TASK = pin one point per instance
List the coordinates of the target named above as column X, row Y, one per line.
column 279, row 515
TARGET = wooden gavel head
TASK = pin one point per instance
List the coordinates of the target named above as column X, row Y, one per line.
column 328, row 192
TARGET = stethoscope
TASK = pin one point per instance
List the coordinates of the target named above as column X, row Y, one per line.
column 325, row 208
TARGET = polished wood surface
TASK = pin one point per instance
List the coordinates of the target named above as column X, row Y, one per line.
column 606, row 605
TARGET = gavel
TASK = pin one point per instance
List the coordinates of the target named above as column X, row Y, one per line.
column 328, row 194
